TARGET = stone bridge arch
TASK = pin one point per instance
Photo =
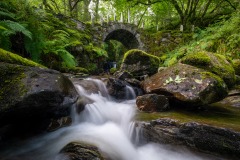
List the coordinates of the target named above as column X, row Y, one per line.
column 127, row 34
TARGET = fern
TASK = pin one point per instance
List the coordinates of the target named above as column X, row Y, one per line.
column 67, row 58
column 13, row 28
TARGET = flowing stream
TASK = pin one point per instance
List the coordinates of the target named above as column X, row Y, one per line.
column 107, row 124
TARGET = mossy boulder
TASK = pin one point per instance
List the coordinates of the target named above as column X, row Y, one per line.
column 214, row 63
column 12, row 58
column 187, row 84
column 81, row 150
column 139, row 63
column 30, row 96
column 236, row 66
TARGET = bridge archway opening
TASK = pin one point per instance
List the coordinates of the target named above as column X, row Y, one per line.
column 127, row 38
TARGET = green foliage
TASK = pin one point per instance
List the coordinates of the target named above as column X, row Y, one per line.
column 95, row 51
column 113, row 70
column 221, row 38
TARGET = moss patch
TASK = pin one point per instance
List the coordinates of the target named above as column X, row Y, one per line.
column 134, row 56
column 236, row 66
column 10, row 84
column 12, row 58
column 214, row 63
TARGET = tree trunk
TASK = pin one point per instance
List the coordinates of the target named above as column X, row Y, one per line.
column 86, row 14
column 96, row 10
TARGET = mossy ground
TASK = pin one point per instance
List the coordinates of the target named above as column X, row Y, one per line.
column 216, row 115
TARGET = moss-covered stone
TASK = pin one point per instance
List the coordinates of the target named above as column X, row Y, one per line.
column 214, row 63
column 187, row 84
column 138, row 62
column 11, row 85
column 12, row 58
column 236, row 66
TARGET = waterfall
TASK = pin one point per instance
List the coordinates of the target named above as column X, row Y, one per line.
column 107, row 124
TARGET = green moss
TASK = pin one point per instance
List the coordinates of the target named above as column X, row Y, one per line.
column 236, row 66
column 134, row 53
column 75, row 70
column 200, row 59
column 12, row 58
column 214, row 63
column 113, row 70
column 11, row 85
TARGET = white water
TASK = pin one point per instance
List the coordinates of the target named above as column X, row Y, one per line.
column 108, row 125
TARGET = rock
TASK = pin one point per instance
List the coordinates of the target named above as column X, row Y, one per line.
column 88, row 85
column 233, row 98
column 122, row 75
column 152, row 103
column 59, row 123
column 236, row 66
column 31, row 96
column 81, row 151
column 139, row 63
column 194, row 135
column 82, row 102
column 214, row 63
column 188, row 84
column 122, row 90
column 117, row 88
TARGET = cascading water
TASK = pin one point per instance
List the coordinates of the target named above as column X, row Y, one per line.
column 107, row 124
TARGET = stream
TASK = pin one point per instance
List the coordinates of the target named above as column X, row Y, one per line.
column 109, row 125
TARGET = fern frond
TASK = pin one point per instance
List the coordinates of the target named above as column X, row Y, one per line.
column 67, row 58
column 7, row 14
column 15, row 27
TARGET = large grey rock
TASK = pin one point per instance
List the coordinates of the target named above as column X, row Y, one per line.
column 187, row 84
column 31, row 96
column 194, row 135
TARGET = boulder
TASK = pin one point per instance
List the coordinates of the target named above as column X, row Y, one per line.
column 122, row 90
column 214, row 63
column 80, row 151
column 194, row 135
column 31, row 96
column 188, row 84
column 139, row 63
column 152, row 103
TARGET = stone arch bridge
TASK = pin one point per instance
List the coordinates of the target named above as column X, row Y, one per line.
column 128, row 34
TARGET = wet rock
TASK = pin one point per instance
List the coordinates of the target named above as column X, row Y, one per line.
column 122, row 75
column 194, row 135
column 31, row 96
column 82, row 102
column 187, row 84
column 122, row 90
column 59, row 123
column 139, row 63
column 117, row 88
column 233, row 98
column 81, row 151
column 152, row 103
